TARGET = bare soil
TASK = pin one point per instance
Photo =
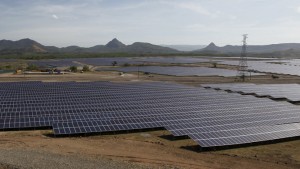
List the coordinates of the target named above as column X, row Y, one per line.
column 150, row 149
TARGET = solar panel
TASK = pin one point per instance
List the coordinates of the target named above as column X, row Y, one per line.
column 248, row 135
column 210, row 117
column 291, row 92
column 179, row 70
column 288, row 67
column 119, row 60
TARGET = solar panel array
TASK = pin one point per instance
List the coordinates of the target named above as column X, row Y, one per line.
column 288, row 62
column 291, row 92
column 288, row 68
column 107, row 61
column 210, row 117
column 185, row 59
column 6, row 71
column 120, row 61
column 179, row 70
column 7, row 60
column 54, row 63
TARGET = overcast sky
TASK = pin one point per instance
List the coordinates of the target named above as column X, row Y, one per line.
column 199, row 22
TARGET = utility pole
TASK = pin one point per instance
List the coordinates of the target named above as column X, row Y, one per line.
column 138, row 71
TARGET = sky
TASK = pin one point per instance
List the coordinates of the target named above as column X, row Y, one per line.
column 191, row 22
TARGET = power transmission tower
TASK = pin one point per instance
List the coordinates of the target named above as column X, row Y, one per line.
column 243, row 66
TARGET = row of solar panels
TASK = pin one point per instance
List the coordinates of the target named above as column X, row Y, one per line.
column 118, row 60
column 211, row 118
column 290, row 92
column 125, row 104
column 266, row 67
column 179, row 70
column 206, row 115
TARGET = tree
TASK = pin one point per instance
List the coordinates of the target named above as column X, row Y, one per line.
column 8, row 67
column 86, row 68
column 114, row 63
column 73, row 68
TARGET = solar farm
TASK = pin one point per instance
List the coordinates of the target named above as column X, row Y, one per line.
column 161, row 111
column 120, row 61
column 211, row 118
column 181, row 71
column 287, row 67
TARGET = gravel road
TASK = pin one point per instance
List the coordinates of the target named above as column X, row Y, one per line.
column 21, row 159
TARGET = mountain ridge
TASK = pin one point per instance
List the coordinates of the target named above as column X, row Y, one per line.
column 212, row 48
column 114, row 46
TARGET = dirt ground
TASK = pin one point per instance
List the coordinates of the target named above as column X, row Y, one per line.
column 152, row 149
column 142, row 149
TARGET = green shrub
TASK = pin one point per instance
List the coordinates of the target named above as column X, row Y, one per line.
column 73, row 68
column 114, row 63
column 8, row 67
column 86, row 68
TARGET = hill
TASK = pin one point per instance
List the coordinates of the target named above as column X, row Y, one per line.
column 114, row 46
column 115, row 43
column 212, row 48
column 23, row 45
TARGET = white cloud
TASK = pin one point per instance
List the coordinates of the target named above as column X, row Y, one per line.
column 49, row 8
column 232, row 17
column 298, row 9
column 93, row 22
column 131, row 6
column 195, row 27
column 200, row 28
column 54, row 16
column 195, row 8
column 191, row 6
